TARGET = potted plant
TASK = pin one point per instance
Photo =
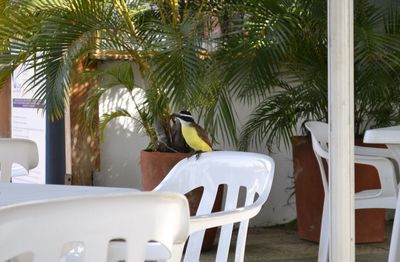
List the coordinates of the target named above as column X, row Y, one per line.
column 303, row 97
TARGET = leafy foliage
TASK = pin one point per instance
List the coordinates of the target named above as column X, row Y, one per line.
column 202, row 56
column 164, row 38
column 303, row 74
column 193, row 55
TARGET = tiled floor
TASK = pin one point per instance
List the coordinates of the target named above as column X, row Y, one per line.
column 281, row 243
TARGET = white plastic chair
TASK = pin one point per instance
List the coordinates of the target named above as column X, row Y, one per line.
column 42, row 229
column 385, row 197
column 18, row 151
column 250, row 171
column 236, row 170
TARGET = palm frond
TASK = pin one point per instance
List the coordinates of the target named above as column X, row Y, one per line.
column 108, row 117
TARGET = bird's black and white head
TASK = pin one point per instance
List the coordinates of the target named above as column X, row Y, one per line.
column 185, row 117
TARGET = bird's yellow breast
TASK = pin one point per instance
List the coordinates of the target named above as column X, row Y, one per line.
column 194, row 140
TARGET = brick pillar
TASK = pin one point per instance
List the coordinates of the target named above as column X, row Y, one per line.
column 5, row 110
column 85, row 152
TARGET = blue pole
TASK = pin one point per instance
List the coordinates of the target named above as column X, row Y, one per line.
column 55, row 151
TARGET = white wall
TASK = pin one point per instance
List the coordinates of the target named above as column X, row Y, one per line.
column 123, row 141
column 120, row 165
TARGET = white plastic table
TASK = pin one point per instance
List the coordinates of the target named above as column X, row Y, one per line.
column 13, row 193
column 387, row 135
column 391, row 137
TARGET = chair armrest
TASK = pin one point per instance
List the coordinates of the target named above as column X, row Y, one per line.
column 386, row 172
column 372, row 151
column 216, row 219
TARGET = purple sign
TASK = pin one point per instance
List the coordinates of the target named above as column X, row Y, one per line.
column 27, row 103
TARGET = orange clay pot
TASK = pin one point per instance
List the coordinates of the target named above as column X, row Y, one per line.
column 369, row 223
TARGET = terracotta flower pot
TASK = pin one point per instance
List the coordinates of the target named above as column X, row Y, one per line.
column 369, row 223
column 156, row 165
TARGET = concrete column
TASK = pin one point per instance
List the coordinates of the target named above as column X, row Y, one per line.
column 341, row 114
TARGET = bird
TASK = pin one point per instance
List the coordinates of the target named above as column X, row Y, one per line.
column 194, row 135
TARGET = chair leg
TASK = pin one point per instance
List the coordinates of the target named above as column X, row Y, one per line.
column 323, row 250
column 241, row 241
column 193, row 248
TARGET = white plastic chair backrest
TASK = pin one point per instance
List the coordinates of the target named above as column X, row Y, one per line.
column 320, row 136
column 43, row 228
column 320, row 139
column 16, row 151
column 235, row 170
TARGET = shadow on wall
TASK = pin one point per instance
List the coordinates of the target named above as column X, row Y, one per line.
column 119, row 157
column 122, row 141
